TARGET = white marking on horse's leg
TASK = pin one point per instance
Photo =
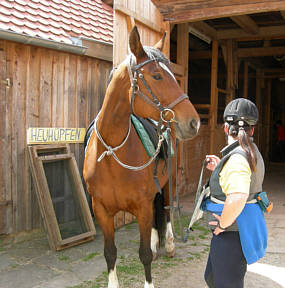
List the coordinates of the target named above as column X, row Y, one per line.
column 148, row 285
column 154, row 242
column 169, row 241
column 113, row 279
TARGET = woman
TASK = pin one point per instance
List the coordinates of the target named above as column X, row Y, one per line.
column 235, row 218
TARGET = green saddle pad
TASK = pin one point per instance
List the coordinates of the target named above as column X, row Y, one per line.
column 145, row 138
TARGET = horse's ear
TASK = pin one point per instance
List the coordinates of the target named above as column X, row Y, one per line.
column 135, row 44
column 159, row 45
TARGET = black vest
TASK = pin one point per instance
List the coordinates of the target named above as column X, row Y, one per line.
column 256, row 177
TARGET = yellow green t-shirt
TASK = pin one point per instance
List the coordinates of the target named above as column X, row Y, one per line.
column 235, row 175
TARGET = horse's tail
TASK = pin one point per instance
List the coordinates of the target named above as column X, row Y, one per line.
column 159, row 216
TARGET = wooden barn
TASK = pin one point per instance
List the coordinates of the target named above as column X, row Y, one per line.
column 55, row 61
column 56, row 56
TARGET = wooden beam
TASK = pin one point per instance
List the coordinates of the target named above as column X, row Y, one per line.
column 245, row 79
column 214, row 94
column 274, row 70
column 187, row 12
column 258, row 105
column 183, row 52
column 202, row 54
column 205, row 29
column 138, row 18
column 242, row 52
column 223, row 91
column 267, row 119
column 283, row 13
column 270, row 32
column 98, row 50
column 246, row 23
column 230, row 70
column 177, row 69
column 236, row 63
column 260, row 51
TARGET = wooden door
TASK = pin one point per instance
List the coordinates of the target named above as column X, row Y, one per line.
column 151, row 27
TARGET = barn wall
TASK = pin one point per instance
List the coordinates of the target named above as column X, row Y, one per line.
column 49, row 89
column 193, row 154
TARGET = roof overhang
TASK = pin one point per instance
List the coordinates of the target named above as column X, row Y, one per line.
column 26, row 39
column 192, row 11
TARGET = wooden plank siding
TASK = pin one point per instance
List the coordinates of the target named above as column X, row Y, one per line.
column 49, row 89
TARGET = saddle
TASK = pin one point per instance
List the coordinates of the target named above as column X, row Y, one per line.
column 147, row 132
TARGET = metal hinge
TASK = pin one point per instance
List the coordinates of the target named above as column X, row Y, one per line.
column 7, row 82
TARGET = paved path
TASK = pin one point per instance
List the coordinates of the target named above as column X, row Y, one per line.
column 27, row 262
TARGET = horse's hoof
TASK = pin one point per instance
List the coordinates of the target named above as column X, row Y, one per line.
column 154, row 256
column 171, row 254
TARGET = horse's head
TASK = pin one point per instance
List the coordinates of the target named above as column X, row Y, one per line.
column 158, row 88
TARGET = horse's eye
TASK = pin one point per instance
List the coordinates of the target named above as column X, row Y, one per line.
column 157, row 77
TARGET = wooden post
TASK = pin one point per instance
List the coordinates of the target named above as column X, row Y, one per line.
column 258, row 104
column 230, row 79
column 182, row 59
column 267, row 120
column 214, row 96
column 235, row 65
column 183, row 52
column 245, row 79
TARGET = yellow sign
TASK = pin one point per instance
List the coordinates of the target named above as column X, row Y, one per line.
column 55, row 135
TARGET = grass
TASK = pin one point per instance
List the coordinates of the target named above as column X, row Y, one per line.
column 63, row 258
column 90, row 256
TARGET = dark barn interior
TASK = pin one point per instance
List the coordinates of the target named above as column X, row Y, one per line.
column 257, row 42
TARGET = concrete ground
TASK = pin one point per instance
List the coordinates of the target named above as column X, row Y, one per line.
column 26, row 260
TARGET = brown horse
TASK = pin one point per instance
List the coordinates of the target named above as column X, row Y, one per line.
column 114, row 147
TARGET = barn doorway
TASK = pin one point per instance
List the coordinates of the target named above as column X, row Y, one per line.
column 250, row 64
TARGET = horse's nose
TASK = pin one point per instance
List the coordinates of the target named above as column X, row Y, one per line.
column 194, row 126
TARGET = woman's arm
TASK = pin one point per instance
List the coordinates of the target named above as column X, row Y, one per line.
column 234, row 204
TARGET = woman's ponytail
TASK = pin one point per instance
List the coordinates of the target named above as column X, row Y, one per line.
column 246, row 143
column 242, row 133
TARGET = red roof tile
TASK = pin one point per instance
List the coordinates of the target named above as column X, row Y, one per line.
column 58, row 20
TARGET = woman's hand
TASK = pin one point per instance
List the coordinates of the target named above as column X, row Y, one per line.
column 218, row 230
column 213, row 161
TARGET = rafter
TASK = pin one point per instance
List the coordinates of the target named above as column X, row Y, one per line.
column 270, row 31
column 242, row 52
column 246, row 23
column 205, row 29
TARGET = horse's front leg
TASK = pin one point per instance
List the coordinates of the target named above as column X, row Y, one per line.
column 145, row 225
column 169, row 236
column 106, row 223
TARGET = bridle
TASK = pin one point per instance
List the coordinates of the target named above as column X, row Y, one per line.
column 154, row 102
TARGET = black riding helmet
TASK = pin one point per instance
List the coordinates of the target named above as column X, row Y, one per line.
column 241, row 109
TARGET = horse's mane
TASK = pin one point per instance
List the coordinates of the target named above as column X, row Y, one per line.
column 151, row 52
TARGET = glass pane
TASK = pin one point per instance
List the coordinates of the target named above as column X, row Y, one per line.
column 64, row 198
